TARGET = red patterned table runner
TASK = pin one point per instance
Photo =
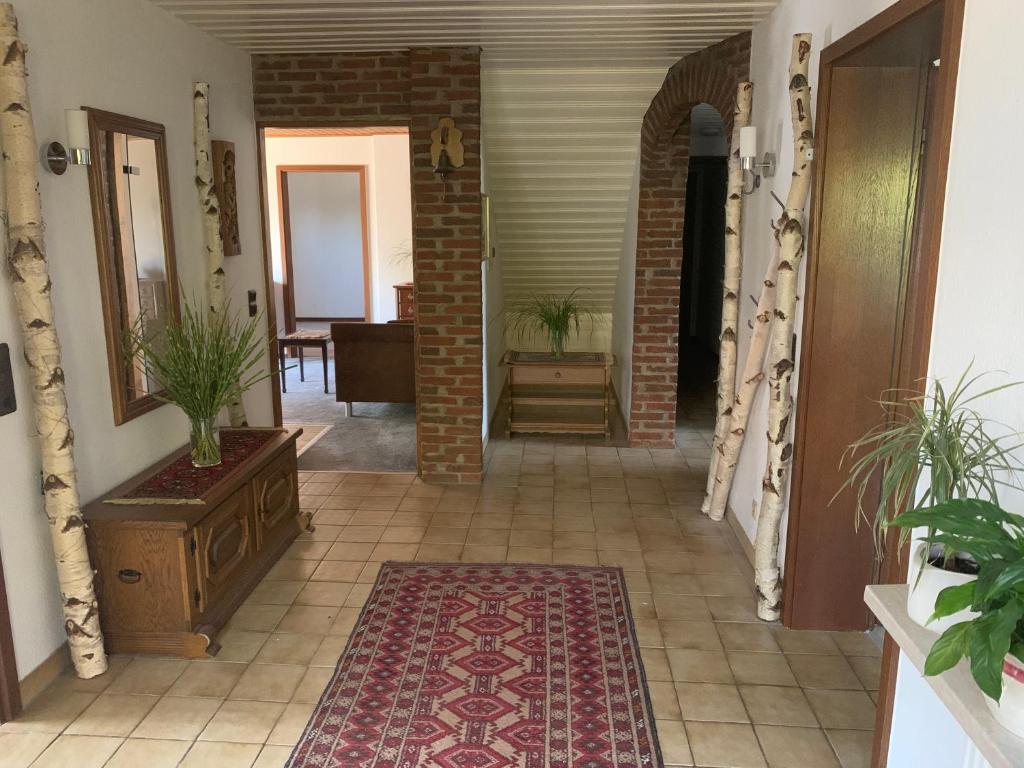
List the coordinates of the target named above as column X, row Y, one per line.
column 487, row 666
column 181, row 481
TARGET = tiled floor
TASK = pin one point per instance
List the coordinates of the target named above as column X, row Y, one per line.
column 727, row 690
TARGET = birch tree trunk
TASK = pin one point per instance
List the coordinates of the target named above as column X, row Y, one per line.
column 753, row 375
column 27, row 267
column 210, row 210
column 781, row 362
column 730, row 285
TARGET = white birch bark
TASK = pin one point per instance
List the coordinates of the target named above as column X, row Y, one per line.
column 29, row 273
column 730, row 285
column 753, row 375
column 781, row 362
column 210, row 209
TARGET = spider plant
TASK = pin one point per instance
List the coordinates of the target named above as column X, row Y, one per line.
column 201, row 363
column 551, row 316
column 939, row 438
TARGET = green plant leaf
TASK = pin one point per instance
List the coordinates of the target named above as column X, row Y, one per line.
column 953, row 599
column 988, row 642
column 947, row 651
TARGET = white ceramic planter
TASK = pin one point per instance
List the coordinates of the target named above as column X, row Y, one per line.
column 924, row 590
column 1009, row 710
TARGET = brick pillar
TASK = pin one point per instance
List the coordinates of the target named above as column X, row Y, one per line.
column 445, row 82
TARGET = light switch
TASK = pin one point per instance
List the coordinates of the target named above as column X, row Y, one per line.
column 8, row 404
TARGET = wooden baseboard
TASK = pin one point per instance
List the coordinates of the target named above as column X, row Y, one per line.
column 40, row 678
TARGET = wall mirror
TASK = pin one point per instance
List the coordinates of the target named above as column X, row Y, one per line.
column 131, row 210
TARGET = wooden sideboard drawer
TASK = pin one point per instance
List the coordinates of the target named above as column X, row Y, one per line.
column 558, row 375
column 276, row 500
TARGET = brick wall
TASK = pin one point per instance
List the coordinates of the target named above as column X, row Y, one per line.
column 708, row 76
column 414, row 88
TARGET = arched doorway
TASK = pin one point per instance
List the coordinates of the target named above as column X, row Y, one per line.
column 706, row 77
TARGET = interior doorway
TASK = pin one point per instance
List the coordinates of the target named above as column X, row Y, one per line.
column 700, row 287
column 338, row 224
column 869, row 280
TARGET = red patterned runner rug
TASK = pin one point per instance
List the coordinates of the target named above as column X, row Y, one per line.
column 487, row 666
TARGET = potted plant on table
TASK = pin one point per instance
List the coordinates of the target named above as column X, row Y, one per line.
column 553, row 317
column 202, row 363
column 931, row 449
column 993, row 640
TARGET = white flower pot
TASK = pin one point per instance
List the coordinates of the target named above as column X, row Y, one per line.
column 924, row 590
column 1009, row 710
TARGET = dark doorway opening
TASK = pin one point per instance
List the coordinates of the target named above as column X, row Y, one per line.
column 700, row 289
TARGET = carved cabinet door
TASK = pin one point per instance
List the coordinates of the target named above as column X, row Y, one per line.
column 277, row 501
column 224, row 544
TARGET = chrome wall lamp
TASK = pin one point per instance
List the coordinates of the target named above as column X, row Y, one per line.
column 749, row 162
column 57, row 157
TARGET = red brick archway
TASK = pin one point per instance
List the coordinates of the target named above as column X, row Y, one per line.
column 708, row 76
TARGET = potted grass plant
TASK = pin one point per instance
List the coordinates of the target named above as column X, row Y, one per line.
column 992, row 639
column 555, row 318
column 932, row 448
column 201, row 363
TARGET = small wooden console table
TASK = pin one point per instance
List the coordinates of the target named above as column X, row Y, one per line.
column 303, row 338
column 564, row 395
column 177, row 548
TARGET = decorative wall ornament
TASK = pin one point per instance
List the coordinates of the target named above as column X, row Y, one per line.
column 446, row 150
column 226, row 191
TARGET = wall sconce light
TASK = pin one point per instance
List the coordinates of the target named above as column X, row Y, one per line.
column 57, row 157
column 748, row 159
column 446, row 150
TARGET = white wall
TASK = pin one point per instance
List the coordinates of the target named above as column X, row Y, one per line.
column 625, row 299
column 130, row 57
column 327, row 244
column 389, row 200
column 977, row 302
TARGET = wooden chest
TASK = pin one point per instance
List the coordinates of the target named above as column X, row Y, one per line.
column 171, row 572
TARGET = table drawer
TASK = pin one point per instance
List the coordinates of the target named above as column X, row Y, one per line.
column 556, row 374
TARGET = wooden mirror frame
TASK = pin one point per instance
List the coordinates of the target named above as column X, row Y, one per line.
column 100, row 123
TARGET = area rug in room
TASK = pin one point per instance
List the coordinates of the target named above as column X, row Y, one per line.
column 487, row 666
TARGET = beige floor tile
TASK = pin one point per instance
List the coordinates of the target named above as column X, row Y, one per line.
column 307, row 550
column 272, row 757
column 675, row 748
column 831, row 672
column 346, row 621
column 682, row 607
column 852, row 747
column 291, row 724
column 868, row 670
column 648, row 633
column 70, row 682
column 207, row 678
column 324, row 593
column 574, row 524
column 308, row 619
column 340, row 570
column 786, row 747
column 574, row 556
column 256, row 618
column 804, row 641
column 268, row 682
column 693, row 635
column 674, row 583
column 850, row 710
column 487, row 537
column 313, row 684
column 78, row 751
column 151, row 753
column 664, row 701
column 482, row 553
column 656, row 665
column 760, row 668
column 240, row 644
column 289, row 648
column 857, row 644
column 777, row 705
column 153, row 676
column 220, row 755
column 403, row 534
column 711, row 701
column 369, row 573
column 438, row 553
column 622, row 558
column 732, row 608
column 50, row 713
column 747, row 637
column 731, row 745
column 356, row 551
column 530, row 538
column 690, row 666
column 19, row 750
column 329, row 652
column 248, row 722
column 529, row 555
column 358, row 596
column 177, row 718
column 112, row 714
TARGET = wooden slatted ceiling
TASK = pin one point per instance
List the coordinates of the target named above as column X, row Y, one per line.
column 565, row 87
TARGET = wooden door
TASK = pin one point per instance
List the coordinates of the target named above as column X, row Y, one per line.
column 856, row 294
column 224, row 545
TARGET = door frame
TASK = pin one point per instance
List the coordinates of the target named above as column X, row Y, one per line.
column 911, row 365
column 288, row 270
